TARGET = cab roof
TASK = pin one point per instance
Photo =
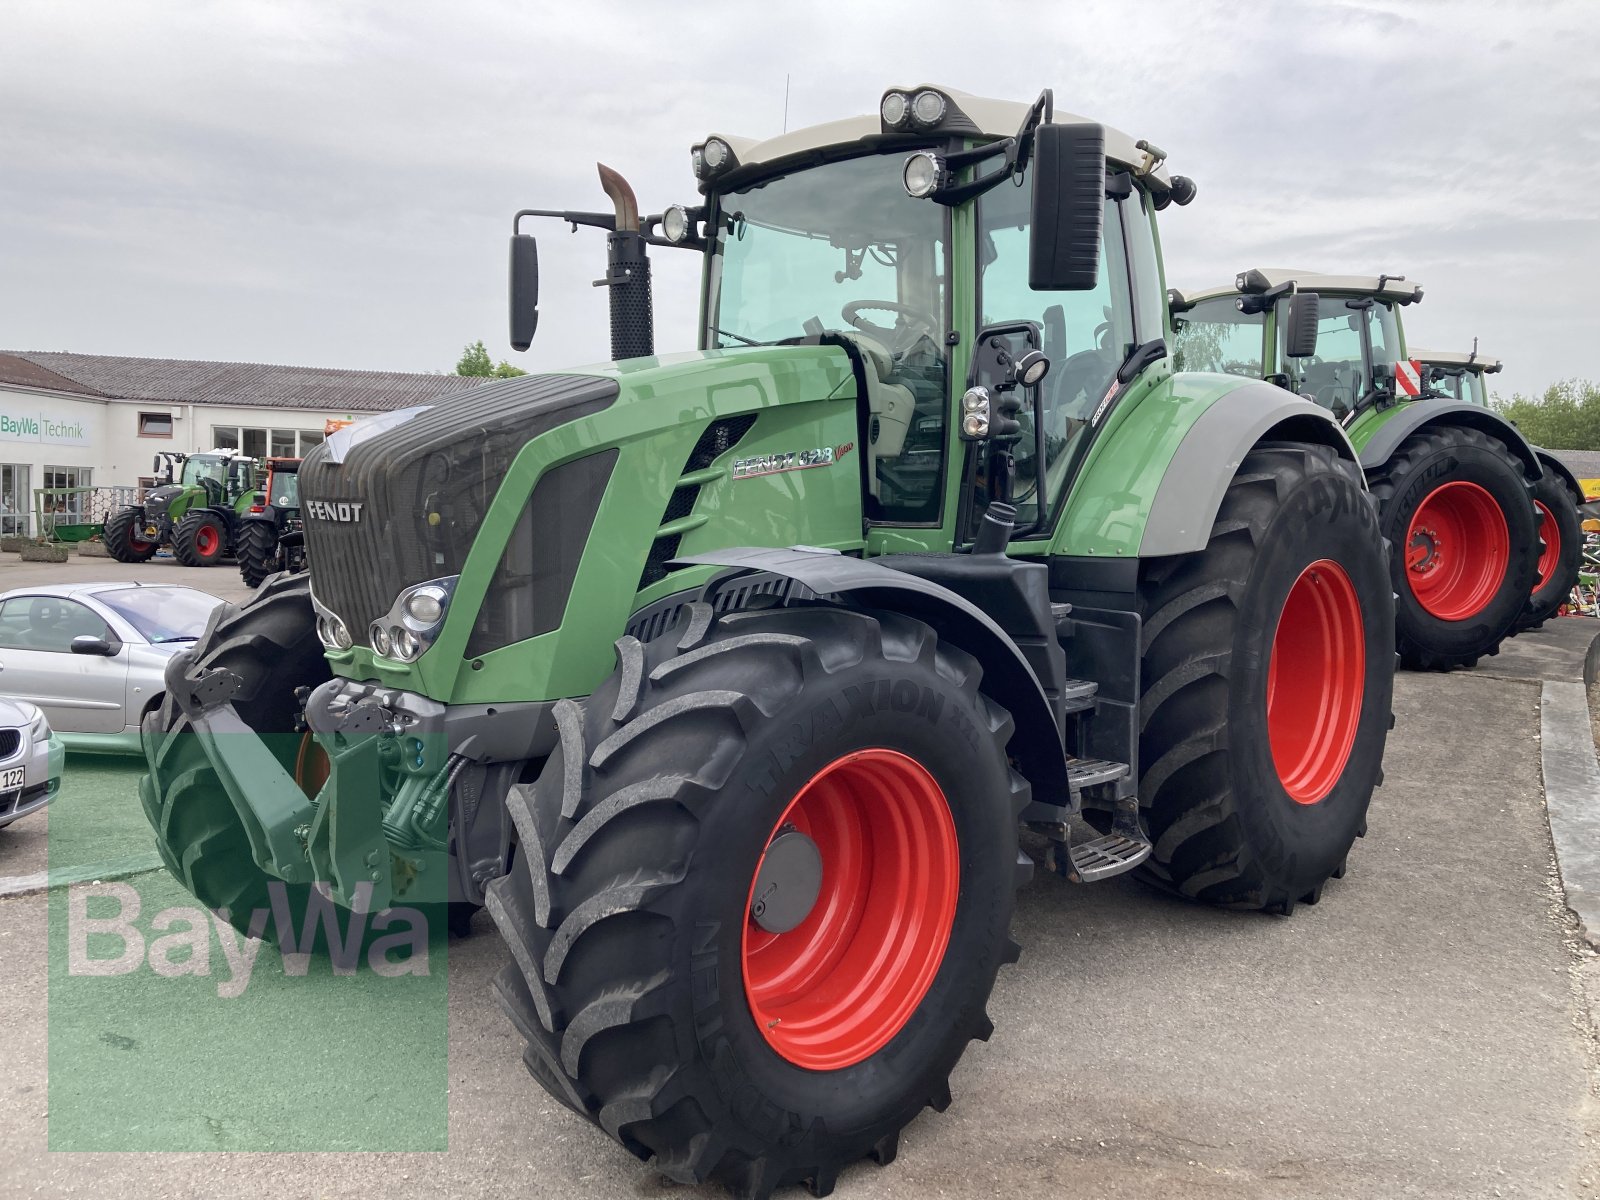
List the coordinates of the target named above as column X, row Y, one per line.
column 993, row 119
column 1392, row 287
column 1476, row 359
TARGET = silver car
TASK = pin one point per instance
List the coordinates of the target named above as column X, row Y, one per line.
column 30, row 760
column 93, row 655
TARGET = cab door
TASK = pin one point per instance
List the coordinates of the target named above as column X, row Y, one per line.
column 79, row 693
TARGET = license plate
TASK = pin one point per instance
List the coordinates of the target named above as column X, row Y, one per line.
column 11, row 779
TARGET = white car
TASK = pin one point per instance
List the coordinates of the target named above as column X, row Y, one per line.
column 30, row 760
column 93, row 656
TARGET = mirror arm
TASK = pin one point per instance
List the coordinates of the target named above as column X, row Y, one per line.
column 1017, row 151
column 606, row 221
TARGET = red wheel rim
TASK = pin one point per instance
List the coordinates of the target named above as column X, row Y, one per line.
column 311, row 766
column 206, row 540
column 1314, row 681
column 1550, row 556
column 1457, row 551
column 836, row 989
column 136, row 545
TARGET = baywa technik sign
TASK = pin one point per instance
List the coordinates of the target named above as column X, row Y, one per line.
column 36, row 427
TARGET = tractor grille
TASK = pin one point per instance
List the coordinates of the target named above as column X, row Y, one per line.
column 424, row 487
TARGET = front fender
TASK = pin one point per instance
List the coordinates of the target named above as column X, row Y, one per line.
column 1559, row 469
column 1378, row 436
column 1036, row 745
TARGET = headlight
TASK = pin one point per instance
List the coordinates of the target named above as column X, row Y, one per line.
column 424, row 606
column 39, row 727
column 333, row 633
column 975, row 413
column 413, row 622
column 675, row 224
column 380, row 640
column 405, row 643
column 924, row 174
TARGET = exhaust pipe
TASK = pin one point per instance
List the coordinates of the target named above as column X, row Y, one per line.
column 627, row 273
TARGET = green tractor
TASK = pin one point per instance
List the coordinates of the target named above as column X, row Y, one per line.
column 1557, row 496
column 197, row 513
column 271, row 535
column 734, row 682
column 1455, row 482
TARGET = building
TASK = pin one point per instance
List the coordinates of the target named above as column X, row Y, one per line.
column 93, row 420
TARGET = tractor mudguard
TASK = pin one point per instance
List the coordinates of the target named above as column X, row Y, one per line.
column 1190, row 494
column 1559, row 469
column 1378, row 442
column 1036, row 747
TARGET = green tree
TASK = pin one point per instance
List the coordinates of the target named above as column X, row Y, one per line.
column 1566, row 417
column 475, row 360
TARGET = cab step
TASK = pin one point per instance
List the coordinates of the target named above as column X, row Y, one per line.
column 1092, row 772
column 1123, row 849
column 1077, row 695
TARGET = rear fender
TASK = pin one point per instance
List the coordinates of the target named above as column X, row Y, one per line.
column 1380, row 445
column 1036, row 746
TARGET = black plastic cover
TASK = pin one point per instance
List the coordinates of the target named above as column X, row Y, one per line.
column 1069, row 186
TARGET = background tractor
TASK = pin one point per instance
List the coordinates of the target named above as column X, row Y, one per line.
column 196, row 513
column 1557, row 495
column 270, row 536
column 1453, row 480
column 727, row 680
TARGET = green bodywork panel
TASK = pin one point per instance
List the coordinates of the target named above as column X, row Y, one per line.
column 1368, row 422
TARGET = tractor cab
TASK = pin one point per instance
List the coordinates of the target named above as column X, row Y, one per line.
column 1334, row 339
column 1453, row 375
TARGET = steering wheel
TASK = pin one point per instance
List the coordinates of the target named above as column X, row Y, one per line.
column 918, row 323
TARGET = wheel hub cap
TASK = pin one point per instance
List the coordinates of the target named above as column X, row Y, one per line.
column 788, row 882
column 1458, row 550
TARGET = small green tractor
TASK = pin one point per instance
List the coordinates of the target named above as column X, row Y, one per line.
column 1454, row 481
column 196, row 511
column 1460, row 376
column 744, row 686
column 271, row 535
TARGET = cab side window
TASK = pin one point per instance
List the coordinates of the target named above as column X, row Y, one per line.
column 1086, row 335
column 1215, row 336
column 47, row 623
column 1335, row 375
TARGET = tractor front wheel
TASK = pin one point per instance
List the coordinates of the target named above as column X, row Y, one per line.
column 1455, row 505
column 258, row 551
column 122, row 538
column 762, row 891
column 1267, row 676
column 1560, row 551
column 200, row 540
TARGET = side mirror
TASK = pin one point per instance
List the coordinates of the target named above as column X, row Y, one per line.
column 1069, row 201
column 524, row 290
column 86, row 643
column 1300, row 325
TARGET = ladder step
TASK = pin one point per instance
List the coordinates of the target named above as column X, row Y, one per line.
column 1111, row 854
column 1091, row 772
column 1078, row 694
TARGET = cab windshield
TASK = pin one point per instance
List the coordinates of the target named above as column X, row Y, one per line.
column 840, row 248
column 198, row 467
column 285, row 491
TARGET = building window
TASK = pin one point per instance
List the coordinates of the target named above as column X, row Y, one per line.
column 16, row 501
column 69, row 509
column 283, row 443
column 155, row 424
column 259, row 443
column 225, row 437
column 310, row 439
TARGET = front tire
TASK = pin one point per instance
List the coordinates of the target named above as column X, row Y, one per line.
column 1267, row 676
column 200, row 540
column 653, row 1000
column 121, row 539
column 258, row 551
column 1560, row 551
column 1455, row 505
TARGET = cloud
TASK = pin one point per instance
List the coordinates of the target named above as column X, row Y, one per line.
column 333, row 184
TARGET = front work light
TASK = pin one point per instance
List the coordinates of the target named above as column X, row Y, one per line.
column 718, row 154
column 675, row 224
column 1032, row 367
column 924, row 174
column 975, row 414
column 928, row 108
column 895, row 109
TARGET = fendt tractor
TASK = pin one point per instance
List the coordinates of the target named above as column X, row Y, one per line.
column 728, row 680
column 196, row 513
column 271, row 535
column 1557, row 495
column 1454, row 481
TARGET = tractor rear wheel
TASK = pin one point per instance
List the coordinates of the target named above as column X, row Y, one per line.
column 122, row 538
column 1267, row 675
column 258, row 551
column 762, row 891
column 1560, row 551
column 200, row 540
column 1455, row 505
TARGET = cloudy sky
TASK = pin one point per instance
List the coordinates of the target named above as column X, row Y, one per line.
column 330, row 182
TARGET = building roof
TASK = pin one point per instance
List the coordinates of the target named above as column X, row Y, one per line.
column 247, row 385
column 993, row 119
column 1395, row 287
column 1476, row 359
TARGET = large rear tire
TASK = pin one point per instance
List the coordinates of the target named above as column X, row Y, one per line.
column 200, row 540
column 122, row 540
column 1455, row 505
column 1560, row 551
column 1267, row 677
column 652, row 999
column 258, row 551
